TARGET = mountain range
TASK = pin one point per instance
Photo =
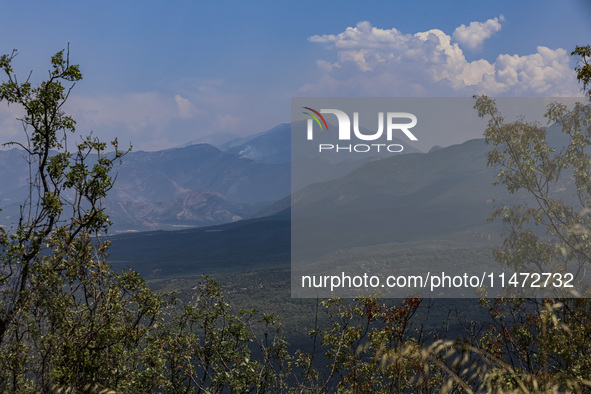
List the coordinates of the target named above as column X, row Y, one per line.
column 190, row 186
column 202, row 185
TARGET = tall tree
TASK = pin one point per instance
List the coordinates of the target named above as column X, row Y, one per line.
column 550, row 232
column 65, row 317
column 544, row 342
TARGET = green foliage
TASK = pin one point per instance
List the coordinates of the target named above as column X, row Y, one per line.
column 527, row 162
column 538, row 345
column 65, row 318
column 371, row 348
column 583, row 69
column 206, row 347
column 542, row 345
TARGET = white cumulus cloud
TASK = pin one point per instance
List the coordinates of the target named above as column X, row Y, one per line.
column 386, row 62
column 473, row 35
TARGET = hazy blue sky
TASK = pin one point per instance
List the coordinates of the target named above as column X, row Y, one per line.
column 160, row 74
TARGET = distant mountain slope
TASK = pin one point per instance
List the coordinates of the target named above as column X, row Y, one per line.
column 403, row 198
column 14, row 174
column 273, row 146
column 192, row 186
column 158, row 176
column 203, row 208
